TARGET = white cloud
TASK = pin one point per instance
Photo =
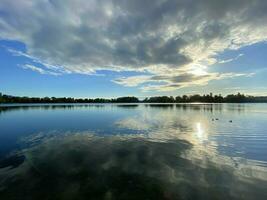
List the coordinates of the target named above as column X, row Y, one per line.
column 175, row 81
column 39, row 70
column 162, row 37
column 132, row 81
column 230, row 60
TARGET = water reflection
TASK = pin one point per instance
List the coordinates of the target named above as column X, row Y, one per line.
column 87, row 166
column 181, row 106
column 200, row 131
column 209, row 131
column 137, row 151
column 25, row 107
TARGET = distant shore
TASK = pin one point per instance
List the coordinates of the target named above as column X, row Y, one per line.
column 208, row 98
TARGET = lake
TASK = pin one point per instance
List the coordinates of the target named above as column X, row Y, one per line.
column 133, row 151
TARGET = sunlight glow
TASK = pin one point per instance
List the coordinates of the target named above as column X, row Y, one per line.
column 200, row 131
column 199, row 72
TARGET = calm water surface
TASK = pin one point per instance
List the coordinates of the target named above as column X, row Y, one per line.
column 127, row 151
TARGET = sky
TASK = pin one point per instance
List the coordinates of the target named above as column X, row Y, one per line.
column 111, row 48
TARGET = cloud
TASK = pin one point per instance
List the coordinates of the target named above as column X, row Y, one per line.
column 132, row 81
column 173, row 82
column 159, row 37
column 230, row 60
column 59, row 69
column 39, row 70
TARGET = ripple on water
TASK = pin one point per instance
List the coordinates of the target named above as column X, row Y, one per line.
column 82, row 166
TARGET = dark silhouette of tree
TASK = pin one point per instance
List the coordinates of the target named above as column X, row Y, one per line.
column 161, row 99
column 209, row 98
column 127, row 100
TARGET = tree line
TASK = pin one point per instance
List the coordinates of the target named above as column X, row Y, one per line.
column 16, row 99
column 207, row 98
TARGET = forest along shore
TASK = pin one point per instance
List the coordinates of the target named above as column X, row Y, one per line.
column 207, row 98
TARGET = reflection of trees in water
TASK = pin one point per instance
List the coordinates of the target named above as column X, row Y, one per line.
column 91, row 167
column 129, row 106
column 201, row 107
column 187, row 106
column 180, row 106
column 48, row 107
column 237, row 107
column 61, row 106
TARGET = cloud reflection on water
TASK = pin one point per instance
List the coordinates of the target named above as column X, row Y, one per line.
column 171, row 152
column 84, row 165
column 198, row 131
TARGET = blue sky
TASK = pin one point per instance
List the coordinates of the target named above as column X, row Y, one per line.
column 141, row 48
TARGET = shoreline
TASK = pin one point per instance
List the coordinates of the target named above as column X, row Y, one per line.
column 140, row 103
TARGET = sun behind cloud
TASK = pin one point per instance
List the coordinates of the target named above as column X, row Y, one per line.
column 163, row 38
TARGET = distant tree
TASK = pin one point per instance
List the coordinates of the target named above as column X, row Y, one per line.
column 218, row 98
column 1, row 98
column 231, row 98
column 127, row 100
column 185, row 98
column 239, row 98
column 178, row 99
